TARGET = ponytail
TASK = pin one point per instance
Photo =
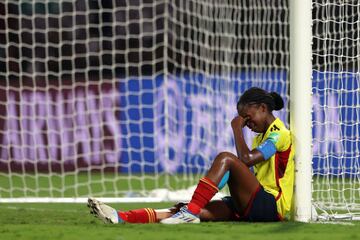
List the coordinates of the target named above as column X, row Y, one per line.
column 256, row 95
column 278, row 101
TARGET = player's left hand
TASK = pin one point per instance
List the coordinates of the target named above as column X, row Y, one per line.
column 177, row 207
column 239, row 122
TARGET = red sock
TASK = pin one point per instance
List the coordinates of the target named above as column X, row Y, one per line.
column 204, row 192
column 144, row 215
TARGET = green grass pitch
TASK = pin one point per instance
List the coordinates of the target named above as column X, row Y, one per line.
column 73, row 221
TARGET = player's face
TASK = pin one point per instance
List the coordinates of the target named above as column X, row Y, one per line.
column 255, row 115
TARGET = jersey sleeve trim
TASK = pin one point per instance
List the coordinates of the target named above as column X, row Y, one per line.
column 274, row 137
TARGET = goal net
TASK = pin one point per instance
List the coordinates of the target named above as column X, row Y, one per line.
column 336, row 123
column 132, row 99
column 118, row 98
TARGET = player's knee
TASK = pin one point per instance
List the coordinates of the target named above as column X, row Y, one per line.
column 226, row 158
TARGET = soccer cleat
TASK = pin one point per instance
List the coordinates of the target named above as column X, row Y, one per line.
column 104, row 212
column 183, row 216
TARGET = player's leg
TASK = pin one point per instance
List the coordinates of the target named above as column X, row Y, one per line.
column 243, row 184
column 216, row 210
column 144, row 215
column 248, row 199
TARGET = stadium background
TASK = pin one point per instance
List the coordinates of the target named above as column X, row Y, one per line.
column 95, row 61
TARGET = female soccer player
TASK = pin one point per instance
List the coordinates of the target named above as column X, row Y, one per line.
column 262, row 196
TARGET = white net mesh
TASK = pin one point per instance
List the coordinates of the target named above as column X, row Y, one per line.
column 336, row 88
column 116, row 98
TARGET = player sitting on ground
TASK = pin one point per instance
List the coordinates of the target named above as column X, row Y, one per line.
column 264, row 195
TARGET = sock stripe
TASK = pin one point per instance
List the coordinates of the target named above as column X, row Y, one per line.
column 151, row 214
column 209, row 182
column 154, row 214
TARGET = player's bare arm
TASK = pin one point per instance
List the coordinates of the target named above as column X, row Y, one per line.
column 247, row 156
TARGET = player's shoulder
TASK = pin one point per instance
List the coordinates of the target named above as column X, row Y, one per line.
column 278, row 126
column 279, row 132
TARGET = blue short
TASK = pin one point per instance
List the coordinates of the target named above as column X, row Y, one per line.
column 261, row 208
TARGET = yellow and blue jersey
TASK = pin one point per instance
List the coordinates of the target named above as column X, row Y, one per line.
column 276, row 173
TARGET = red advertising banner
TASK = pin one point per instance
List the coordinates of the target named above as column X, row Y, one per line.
column 59, row 128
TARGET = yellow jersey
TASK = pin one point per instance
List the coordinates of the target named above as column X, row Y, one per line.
column 276, row 173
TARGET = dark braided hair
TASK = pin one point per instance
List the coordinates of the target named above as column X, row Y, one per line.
column 257, row 95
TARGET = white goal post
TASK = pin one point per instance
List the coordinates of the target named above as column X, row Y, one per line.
column 301, row 104
column 131, row 100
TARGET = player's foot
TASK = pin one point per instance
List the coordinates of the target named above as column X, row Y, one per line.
column 183, row 216
column 104, row 212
